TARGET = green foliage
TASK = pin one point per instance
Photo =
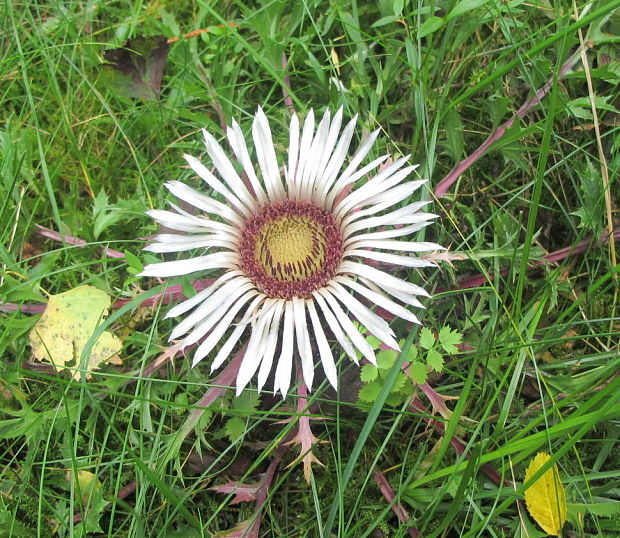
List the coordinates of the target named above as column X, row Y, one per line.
column 243, row 406
column 426, row 357
column 88, row 159
column 106, row 215
column 591, row 199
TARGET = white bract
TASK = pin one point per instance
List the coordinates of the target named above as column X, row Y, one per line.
column 295, row 254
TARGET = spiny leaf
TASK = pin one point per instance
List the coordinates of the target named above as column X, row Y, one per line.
column 306, row 440
column 65, row 327
column 545, row 498
column 591, row 199
column 135, row 70
column 242, row 492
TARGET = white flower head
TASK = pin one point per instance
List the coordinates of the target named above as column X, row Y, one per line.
column 290, row 250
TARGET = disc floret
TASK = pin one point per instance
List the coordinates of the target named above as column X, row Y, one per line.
column 291, row 248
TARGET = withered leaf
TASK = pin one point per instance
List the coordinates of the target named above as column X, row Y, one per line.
column 136, row 69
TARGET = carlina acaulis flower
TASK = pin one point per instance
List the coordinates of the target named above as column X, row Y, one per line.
column 290, row 249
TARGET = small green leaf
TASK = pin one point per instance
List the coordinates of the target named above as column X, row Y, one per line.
column 397, row 7
column 413, row 354
column 394, row 399
column 234, row 428
column 434, row 360
column 373, row 341
column 383, row 21
column 455, row 142
column 419, row 372
column 582, row 106
column 430, row 26
column 135, row 70
column 449, row 340
column 399, row 383
column 465, row 6
column 427, row 338
column 591, row 198
column 133, row 261
column 187, row 288
column 100, row 203
column 385, row 358
column 368, row 373
column 106, row 215
column 368, row 393
column 247, row 401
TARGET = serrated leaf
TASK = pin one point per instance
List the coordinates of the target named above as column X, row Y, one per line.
column 234, row 428
column 592, row 196
column 385, row 358
column 100, row 202
column 545, row 498
column 247, row 401
column 413, row 353
column 368, row 373
column 373, row 341
column 135, row 70
column 395, row 399
column 399, row 383
column 449, row 339
column 582, row 106
column 106, row 215
column 63, row 330
column 419, row 372
column 434, row 360
column 427, row 338
column 368, row 393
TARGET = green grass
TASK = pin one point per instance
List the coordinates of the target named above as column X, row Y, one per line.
column 540, row 372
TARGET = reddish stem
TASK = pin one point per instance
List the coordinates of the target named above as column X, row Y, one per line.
column 552, row 257
column 446, row 183
column 263, row 490
column 397, row 507
column 75, row 241
column 172, row 293
column 286, row 89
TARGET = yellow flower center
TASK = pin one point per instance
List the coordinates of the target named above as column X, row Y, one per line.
column 291, row 248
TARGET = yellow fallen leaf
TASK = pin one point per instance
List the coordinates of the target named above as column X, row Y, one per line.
column 69, row 320
column 545, row 498
column 88, row 484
